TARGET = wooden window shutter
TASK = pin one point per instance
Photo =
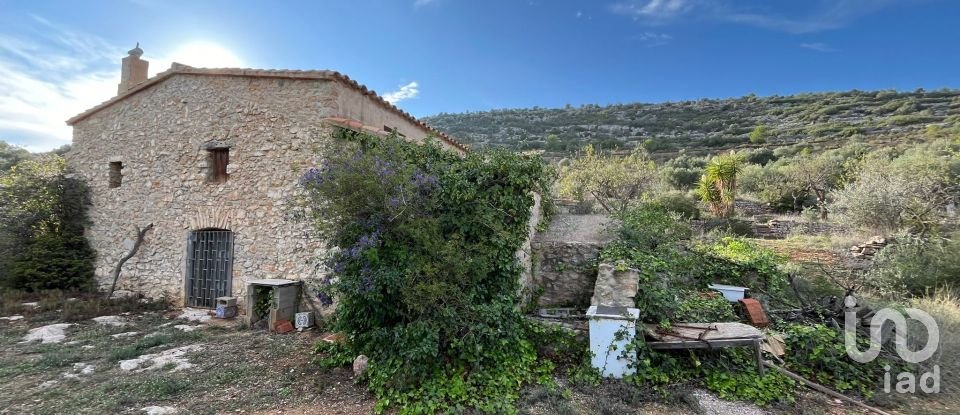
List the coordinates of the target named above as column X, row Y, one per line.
column 219, row 159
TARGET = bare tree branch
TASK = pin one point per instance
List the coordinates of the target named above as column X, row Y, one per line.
column 141, row 233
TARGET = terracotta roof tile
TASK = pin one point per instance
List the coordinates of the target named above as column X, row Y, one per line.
column 177, row 68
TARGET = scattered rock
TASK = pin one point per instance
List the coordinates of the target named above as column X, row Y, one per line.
column 616, row 288
column 88, row 346
column 192, row 314
column 80, row 369
column 360, row 365
column 706, row 403
column 160, row 410
column 31, row 305
column 12, row 318
column 125, row 334
column 48, row 384
column 122, row 294
column 53, row 333
column 175, row 356
column 186, row 327
column 115, row 321
column 868, row 249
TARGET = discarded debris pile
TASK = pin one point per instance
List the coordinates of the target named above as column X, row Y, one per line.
column 870, row 248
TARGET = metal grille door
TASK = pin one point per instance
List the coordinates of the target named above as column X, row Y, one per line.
column 209, row 267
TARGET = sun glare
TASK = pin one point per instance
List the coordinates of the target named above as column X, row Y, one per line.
column 203, row 54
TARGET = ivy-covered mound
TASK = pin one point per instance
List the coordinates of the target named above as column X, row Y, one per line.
column 424, row 269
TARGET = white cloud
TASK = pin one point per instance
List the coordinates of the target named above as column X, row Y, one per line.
column 816, row 16
column 654, row 9
column 405, row 92
column 579, row 14
column 653, row 39
column 49, row 77
column 817, row 46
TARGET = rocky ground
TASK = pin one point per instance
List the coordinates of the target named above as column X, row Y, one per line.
column 181, row 362
column 160, row 363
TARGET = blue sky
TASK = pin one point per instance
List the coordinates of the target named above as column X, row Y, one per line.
column 58, row 58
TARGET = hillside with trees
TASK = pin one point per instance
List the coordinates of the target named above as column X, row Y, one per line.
column 709, row 126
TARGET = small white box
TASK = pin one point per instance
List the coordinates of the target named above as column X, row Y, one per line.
column 303, row 320
column 611, row 330
column 731, row 292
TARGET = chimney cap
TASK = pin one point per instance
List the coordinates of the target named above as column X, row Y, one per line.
column 136, row 51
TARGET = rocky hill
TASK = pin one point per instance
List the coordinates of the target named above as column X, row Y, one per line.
column 710, row 125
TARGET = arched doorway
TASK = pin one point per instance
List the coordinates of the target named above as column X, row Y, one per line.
column 209, row 272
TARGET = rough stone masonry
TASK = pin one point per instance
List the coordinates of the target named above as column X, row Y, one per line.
column 146, row 157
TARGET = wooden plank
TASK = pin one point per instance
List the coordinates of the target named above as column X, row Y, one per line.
column 698, row 344
column 702, row 331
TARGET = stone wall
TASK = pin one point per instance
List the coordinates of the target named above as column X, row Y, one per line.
column 525, row 253
column 565, row 259
column 272, row 127
column 350, row 103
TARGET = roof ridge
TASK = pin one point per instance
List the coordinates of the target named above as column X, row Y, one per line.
column 178, row 68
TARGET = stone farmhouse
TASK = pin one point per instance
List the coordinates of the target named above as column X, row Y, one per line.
column 212, row 157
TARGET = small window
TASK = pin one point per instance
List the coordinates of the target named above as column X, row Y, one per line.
column 116, row 176
column 217, row 161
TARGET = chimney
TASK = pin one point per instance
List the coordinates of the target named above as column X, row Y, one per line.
column 133, row 70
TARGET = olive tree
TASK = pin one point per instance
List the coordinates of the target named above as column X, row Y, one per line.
column 613, row 181
column 816, row 175
column 892, row 193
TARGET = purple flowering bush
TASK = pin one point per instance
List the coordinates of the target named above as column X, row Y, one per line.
column 424, row 269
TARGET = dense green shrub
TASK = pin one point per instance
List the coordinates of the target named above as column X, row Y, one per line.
column 739, row 261
column 916, row 266
column 41, row 227
column 818, row 353
column 730, row 375
column 678, row 203
column 704, row 307
column 651, row 226
column 887, row 194
column 425, row 269
column 54, row 262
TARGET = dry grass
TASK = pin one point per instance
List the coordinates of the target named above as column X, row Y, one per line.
column 944, row 306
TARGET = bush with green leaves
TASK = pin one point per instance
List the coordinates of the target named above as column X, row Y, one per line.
column 888, row 192
column 425, row 269
column 818, row 353
column 651, row 226
column 916, row 266
column 678, row 203
column 704, row 307
column 739, row 261
column 41, row 227
column 615, row 182
column 54, row 262
column 682, row 172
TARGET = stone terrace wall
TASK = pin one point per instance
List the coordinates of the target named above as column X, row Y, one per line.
column 565, row 259
column 271, row 126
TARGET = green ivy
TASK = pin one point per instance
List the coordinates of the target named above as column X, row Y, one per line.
column 818, row 353
column 425, row 272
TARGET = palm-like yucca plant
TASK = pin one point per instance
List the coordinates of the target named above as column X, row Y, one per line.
column 718, row 185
